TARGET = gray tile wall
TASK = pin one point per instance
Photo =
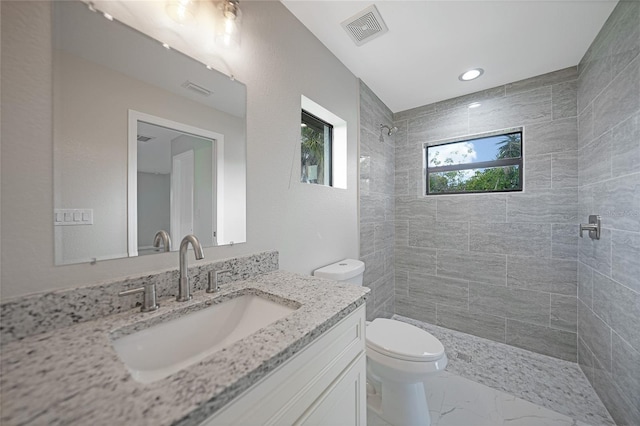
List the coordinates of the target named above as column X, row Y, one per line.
column 609, row 185
column 377, row 230
column 499, row 266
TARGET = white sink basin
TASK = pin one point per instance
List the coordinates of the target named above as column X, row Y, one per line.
column 161, row 350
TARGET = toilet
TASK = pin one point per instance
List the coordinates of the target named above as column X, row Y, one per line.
column 400, row 357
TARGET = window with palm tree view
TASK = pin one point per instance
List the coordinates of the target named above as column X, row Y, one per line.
column 486, row 163
column 316, row 139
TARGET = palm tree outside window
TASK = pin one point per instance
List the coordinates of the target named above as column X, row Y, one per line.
column 316, row 140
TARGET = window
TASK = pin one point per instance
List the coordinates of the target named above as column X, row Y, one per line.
column 316, row 141
column 486, row 163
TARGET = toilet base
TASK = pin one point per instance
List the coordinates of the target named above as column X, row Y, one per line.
column 400, row 404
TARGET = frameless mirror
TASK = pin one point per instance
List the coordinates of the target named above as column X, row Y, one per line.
column 145, row 139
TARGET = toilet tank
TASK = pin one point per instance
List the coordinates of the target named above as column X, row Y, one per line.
column 349, row 271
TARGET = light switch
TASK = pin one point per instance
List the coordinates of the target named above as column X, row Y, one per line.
column 72, row 217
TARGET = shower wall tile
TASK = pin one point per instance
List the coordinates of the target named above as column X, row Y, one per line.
column 377, row 202
column 566, row 75
column 585, row 126
column 565, row 98
column 565, row 170
column 548, row 341
column 451, row 235
column 619, row 100
column 625, row 255
column 464, row 101
column 564, row 241
column 481, row 325
column 412, row 208
column 617, row 201
column 472, row 208
column 538, row 172
column 517, row 251
column 617, row 306
column 420, row 309
column 625, row 152
column 594, row 161
column 416, row 259
column 528, row 306
column 439, row 290
column 585, row 284
column 481, row 267
column 549, row 137
column 521, row 109
column 544, row 206
column 367, row 241
column 625, row 33
column 596, row 253
column 439, row 125
column 596, row 335
column 564, row 313
column 523, row 239
column 624, row 366
column 540, row 274
column 622, row 410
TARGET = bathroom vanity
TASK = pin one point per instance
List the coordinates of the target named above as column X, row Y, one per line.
column 308, row 367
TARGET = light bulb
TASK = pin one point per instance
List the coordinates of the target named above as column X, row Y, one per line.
column 181, row 11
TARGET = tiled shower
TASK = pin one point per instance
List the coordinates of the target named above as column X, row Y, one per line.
column 511, row 267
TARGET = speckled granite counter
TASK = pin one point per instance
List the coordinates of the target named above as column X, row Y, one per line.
column 73, row 375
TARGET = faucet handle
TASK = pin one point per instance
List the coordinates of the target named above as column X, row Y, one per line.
column 149, row 301
column 212, row 286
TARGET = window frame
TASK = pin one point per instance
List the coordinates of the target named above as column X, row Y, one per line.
column 316, row 121
column 477, row 165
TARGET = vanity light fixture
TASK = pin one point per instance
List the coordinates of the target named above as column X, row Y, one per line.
column 181, row 11
column 228, row 25
column 471, row 74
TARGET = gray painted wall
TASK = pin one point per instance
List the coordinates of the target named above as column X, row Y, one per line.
column 499, row 266
column 377, row 232
column 609, row 178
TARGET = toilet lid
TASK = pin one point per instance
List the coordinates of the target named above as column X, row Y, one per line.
column 402, row 341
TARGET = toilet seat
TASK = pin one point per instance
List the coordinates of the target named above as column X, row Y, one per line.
column 402, row 341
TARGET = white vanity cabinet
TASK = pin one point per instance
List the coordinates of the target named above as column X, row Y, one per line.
column 324, row 384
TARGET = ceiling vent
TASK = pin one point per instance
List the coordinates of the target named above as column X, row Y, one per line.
column 143, row 138
column 196, row 88
column 365, row 26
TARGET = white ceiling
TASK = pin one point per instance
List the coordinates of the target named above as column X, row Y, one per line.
column 430, row 43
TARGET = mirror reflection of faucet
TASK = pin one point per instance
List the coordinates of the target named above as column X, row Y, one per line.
column 184, row 291
column 163, row 237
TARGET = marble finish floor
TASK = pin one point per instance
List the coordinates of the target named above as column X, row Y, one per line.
column 511, row 377
column 456, row 401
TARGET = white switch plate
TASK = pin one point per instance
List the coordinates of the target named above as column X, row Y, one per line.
column 70, row 217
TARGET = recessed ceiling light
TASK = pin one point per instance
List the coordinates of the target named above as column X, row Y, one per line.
column 471, row 74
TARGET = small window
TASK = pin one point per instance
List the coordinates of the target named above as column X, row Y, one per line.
column 487, row 163
column 316, row 141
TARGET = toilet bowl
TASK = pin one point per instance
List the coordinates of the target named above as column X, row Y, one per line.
column 400, row 357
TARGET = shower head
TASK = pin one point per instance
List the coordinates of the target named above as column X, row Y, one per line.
column 390, row 130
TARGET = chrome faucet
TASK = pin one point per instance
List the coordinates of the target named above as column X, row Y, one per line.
column 163, row 237
column 184, row 291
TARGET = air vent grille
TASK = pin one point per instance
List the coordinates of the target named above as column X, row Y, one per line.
column 196, row 88
column 365, row 26
column 143, row 138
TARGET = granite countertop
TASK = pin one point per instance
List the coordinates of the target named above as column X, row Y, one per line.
column 74, row 376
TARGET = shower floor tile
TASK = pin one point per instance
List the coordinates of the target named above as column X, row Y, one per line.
column 551, row 383
column 456, row 401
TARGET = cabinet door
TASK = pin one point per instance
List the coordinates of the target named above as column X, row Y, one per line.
column 343, row 402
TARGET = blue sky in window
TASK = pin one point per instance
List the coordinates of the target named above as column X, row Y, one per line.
column 484, row 149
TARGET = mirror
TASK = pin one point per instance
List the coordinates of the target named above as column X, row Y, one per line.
column 145, row 139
